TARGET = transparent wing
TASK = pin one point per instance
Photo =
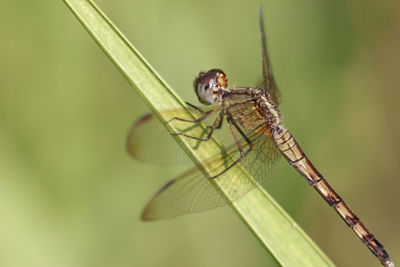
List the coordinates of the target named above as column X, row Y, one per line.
column 148, row 140
column 268, row 79
column 193, row 192
column 187, row 193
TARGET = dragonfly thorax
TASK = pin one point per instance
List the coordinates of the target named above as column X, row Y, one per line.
column 265, row 103
column 208, row 85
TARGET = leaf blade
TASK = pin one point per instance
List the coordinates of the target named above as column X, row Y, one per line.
column 283, row 238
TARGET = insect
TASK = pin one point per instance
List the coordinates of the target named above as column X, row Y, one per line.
column 255, row 125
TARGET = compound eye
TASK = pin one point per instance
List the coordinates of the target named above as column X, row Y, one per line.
column 206, row 85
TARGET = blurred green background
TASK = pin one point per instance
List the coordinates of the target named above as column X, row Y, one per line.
column 71, row 196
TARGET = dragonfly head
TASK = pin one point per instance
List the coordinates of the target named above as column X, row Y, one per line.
column 208, row 84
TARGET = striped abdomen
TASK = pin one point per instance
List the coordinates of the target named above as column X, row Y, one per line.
column 291, row 150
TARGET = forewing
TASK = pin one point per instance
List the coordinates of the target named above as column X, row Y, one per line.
column 149, row 141
column 268, row 79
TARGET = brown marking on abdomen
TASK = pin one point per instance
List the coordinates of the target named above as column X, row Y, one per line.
column 296, row 157
column 327, row 192
column 291, row 150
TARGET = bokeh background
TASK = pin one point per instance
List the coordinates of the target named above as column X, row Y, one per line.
column 71, row 196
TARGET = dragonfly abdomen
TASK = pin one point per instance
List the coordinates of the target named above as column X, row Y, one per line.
column 291, row 150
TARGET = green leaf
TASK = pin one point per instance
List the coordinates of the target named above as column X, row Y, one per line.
column 279, row 233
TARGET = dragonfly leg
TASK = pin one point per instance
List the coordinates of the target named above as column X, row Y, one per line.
column 233, row 163
column 215, row 125
column 236, row 139
column 242, row 133
column 242, row 152
column 203, row 117
column 218, row 126
column 195, row 107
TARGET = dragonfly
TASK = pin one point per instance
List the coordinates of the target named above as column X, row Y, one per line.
column 259, row 136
